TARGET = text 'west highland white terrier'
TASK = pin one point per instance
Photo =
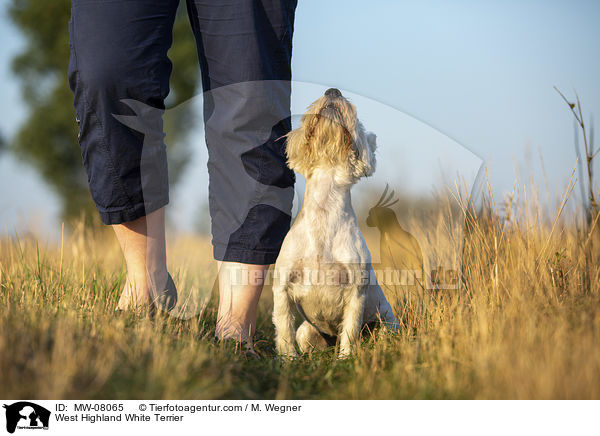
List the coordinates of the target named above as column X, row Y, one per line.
column 324, row 266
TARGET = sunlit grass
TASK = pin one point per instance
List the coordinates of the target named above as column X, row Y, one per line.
column 526, row 324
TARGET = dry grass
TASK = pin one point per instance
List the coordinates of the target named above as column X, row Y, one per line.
column 526, row 324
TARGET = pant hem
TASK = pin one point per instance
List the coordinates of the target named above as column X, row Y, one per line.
column 228, row 254
column 120, row 216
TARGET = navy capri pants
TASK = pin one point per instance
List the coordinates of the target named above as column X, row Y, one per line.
column 119, row 74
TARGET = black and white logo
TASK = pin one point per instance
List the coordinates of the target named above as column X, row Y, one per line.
column 26, row 415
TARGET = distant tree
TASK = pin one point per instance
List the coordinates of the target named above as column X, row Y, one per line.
column 2, row 142
column 48, row 137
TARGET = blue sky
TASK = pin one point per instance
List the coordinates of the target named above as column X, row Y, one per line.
column 480, row 72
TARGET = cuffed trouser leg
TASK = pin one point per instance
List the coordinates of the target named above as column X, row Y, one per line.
column 119, row 74
column 245, row 50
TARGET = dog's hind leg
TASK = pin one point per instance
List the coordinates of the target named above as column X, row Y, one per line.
column 309, row 338
column 384, row 310
column 378, row 309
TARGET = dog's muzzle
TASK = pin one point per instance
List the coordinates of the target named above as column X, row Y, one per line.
column 333, row 92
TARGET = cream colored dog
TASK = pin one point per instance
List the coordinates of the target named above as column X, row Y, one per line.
column 324, row 266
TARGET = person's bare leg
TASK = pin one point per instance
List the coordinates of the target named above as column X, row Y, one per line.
column 143, row 244
column 240, row 286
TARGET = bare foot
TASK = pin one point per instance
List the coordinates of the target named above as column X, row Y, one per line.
column 240, row 286
column 145, row 295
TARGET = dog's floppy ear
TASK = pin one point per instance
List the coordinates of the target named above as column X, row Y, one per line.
column 296, row 151
column 372, row 140
column 363, row 161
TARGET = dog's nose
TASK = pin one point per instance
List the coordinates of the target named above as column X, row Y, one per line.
column 333, row 92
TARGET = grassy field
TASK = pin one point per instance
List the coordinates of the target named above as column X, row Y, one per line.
column 526, row 324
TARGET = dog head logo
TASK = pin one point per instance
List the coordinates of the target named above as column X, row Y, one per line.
column 26, row 415
column 417, row 160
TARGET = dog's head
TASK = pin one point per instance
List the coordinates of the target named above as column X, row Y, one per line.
column 331, row 136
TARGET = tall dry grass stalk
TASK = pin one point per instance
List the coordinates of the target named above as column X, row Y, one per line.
column 525, row 323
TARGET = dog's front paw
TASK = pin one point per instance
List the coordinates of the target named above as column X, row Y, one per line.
column 286, row 350
column 288, row 357
column 345, row 352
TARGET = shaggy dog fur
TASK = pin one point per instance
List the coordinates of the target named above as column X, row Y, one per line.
column 324, row 266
